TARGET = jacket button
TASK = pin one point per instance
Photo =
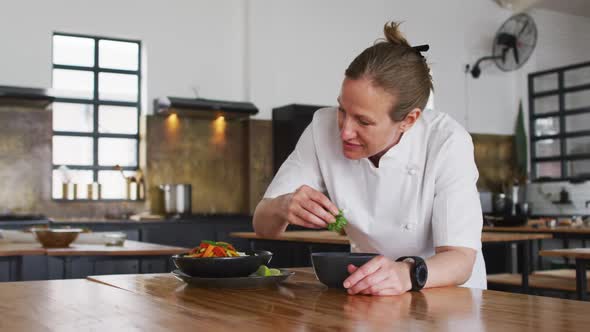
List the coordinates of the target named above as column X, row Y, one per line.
column 408, row 226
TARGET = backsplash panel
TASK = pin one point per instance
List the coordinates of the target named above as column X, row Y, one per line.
column 25, row 167
column 495, row 160
column 542, row 195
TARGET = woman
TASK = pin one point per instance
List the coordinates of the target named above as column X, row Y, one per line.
column 405, row 177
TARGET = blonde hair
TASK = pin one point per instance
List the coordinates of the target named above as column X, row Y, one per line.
column 395, row 66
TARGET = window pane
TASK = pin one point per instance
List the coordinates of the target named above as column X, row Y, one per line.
column 117, row 151
column 546, row 104
column 73, row 83
column 117, row 87
column 578, row 167
column 117, row 120
column 73, row 51
column 72, row 117
column 577, row 99
column 577, row 122
column 549, row 169
column 576, row 77
column 81, row 178
column 72, row 150
column 546, row 126
column 118, row 55
column 545, row 82
column 578, row 145
column 114, row 186
column 547, row 148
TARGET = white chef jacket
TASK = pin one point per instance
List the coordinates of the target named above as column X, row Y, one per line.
column 423, row 194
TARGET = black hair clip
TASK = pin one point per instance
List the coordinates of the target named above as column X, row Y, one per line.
column 421, row 48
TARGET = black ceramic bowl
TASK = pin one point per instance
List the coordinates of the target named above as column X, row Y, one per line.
column 331, row 267
column 222, row 267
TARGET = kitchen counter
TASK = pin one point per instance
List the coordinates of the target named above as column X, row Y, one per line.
column 302, row 304
column 196, row 218
column 329, row 237
column 543, row 229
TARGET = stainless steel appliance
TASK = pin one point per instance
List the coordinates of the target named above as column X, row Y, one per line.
column 177, row 198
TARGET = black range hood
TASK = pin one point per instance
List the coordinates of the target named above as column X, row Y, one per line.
column 204, row 108
column 23, row 95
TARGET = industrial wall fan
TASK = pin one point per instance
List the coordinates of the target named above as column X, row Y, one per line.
column 513, row 44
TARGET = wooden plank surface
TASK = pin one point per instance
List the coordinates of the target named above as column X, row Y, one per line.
column 303, row 304
column 329, row 237
column 579, row 253
column 536, row 280
column 21, row 249
column 530, row 229
column 487, row 237
column 561, row 273
column 130, row 248
column 82, row 305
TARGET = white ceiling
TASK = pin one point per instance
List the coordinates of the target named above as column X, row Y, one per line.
column 573, row 7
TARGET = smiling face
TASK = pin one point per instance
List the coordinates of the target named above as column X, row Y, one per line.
column 366, row 128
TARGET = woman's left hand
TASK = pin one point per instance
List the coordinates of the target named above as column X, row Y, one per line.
column 379, row 276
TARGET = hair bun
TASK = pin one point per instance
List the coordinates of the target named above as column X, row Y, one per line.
column 393, row 35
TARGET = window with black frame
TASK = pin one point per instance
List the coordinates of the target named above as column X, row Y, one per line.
column 559, row 103
column 97, row 83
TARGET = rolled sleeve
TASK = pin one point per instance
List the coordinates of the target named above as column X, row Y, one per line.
column 457, row 217
column 300, row 168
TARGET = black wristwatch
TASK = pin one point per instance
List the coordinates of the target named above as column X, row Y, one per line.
column 418, row 273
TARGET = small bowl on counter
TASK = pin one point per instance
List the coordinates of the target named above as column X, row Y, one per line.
column 56, row 237
column 331, row 268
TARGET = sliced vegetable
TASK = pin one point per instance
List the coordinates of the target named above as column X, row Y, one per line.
column 264, row 271
column 339, row 224
column 213, row 249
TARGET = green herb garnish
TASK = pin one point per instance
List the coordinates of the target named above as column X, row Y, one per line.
column 338, row 225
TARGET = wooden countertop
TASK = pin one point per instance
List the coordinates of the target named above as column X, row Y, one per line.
column 543, row 229
column 488, row 237
column 21, row 249
column 130, row 248
column 302, row 303
column 579, row 253
column 329, row 237
column 82, row 305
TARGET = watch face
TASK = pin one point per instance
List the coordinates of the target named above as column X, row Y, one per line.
column 421, row 274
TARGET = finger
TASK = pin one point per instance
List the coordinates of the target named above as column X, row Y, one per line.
column 313, row 207
column 351, row 268
column 368, row 268
column 377, row 287
column 388, row 292
column 324, row 201
column 295, row 220
column 374, row 280
column 309, row 217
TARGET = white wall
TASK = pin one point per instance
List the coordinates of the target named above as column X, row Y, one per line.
column 300, row 49
column 187, row 43
column 275, row 52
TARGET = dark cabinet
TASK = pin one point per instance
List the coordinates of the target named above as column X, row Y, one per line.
column 288, row 123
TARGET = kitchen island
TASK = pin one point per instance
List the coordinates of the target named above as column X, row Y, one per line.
column 161, row 302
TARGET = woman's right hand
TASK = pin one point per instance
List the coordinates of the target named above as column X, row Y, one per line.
column 309, row 208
